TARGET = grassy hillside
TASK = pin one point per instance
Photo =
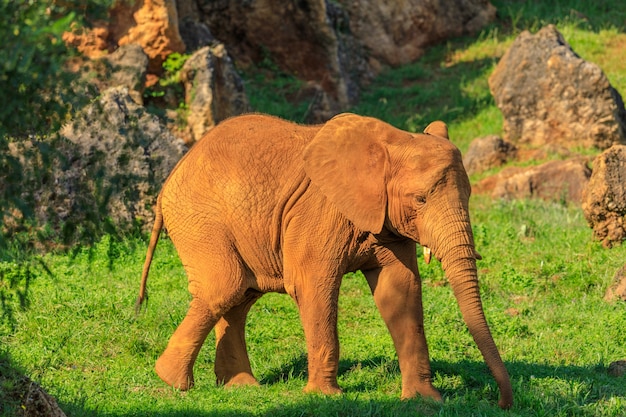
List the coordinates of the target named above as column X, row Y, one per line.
column 543, row 278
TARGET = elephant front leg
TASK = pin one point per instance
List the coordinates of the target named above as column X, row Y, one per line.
column 232, row 365
column 398, row 295
column 317, row 304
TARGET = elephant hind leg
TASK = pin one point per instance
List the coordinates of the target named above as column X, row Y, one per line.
column 175, row 365
column 216, row 283
column 232, row 365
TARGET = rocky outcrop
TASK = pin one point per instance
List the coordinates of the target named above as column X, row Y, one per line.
column 296, row 36
column 125, row 67
column 213, row 90
column 488, row 152
column 398, row 33
column 338, row 45
column 120, row 157
column 100, row 175
column 562, row 181
column 153, row 24
column 334, row 47
column 604, row 201
column 548, row 94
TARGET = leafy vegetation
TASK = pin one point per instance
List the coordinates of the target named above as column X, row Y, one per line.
column 41, row 95
column 68, row 320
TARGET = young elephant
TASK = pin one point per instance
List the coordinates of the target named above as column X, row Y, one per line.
column 261, row 204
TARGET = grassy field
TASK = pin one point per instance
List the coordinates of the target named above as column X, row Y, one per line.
column 542, row 278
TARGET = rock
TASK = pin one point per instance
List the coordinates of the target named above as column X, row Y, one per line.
column 617, row 368
column 356, row 67
column 618, row 289
column 398, row 32
column 604, row 200
column 295, row 36
column 196, row 35
column 37, row 402
column 100, row 175
column 548, row 151
column 561, row 181
column 92, row 43
column 488, row 152
column 548, row 94
column 213, row 89
column 321, row 107
column 338, row 45
column 126, row 67
column 341, row 44
column 121, row 157
column 153, row 24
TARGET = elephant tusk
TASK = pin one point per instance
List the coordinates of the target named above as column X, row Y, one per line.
column 427, row 254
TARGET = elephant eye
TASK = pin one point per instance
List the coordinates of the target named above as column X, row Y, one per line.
column 420, row 199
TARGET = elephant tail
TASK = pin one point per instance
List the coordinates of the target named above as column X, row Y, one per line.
column 154, row 239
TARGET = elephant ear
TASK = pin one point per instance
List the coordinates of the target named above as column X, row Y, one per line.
column 348, row 160
column 437, row 128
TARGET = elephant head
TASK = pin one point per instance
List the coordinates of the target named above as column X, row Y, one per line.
column 385, row 180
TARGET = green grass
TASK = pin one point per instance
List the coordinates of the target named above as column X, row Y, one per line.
column 68, row 320
column 542, row 281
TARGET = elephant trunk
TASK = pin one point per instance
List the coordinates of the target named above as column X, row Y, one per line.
column 458, row 257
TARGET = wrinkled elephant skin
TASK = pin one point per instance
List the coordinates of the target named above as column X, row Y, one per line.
column 264, row 205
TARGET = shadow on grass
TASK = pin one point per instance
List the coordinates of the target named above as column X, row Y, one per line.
column 473, row 374
column 10, row 397
column 313, row 406
column 477, row 394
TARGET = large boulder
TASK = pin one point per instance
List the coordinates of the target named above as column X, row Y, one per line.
column 121, row 157
column 548, row 94
column 338, row 45
column 296, row 36
column 213, row 89
column 101, row 174
column 398, row 32
column 488, row 152
column 562, row 181
column 604, row 201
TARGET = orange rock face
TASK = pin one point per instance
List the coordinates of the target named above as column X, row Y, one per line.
column 153, row 24
column 91, row 43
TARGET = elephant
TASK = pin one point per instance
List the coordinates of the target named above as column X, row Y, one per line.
column 261, row 204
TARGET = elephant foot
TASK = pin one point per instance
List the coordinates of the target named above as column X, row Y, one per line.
column 505, row 403
column 425, row 390
column 179, row 377
column 327, row 389
column 241, row 379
